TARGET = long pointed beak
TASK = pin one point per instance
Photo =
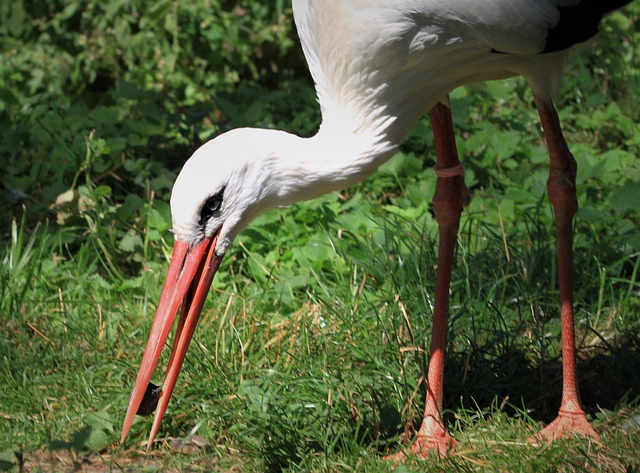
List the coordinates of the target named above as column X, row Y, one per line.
column 189, row 278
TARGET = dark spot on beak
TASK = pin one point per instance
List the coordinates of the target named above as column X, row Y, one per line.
column 150, row 400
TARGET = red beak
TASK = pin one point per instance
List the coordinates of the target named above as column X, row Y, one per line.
column 189, row 278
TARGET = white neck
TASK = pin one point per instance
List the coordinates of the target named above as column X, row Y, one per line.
column 338, row 156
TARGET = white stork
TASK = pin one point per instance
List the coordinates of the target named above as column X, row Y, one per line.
column 378, row 66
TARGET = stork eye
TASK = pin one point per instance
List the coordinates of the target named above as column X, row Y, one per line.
column 210, row 207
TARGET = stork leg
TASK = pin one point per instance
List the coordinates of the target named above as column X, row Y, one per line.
column 562, row 195
column 449, row 199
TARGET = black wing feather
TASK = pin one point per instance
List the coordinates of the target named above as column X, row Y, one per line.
column 578, row 23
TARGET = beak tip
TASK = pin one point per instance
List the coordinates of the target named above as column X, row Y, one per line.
column 123, row 435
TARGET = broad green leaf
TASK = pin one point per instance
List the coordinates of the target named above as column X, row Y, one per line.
column 626, row 197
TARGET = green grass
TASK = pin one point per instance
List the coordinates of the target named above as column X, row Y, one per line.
column 312, row 345
column 323, row 387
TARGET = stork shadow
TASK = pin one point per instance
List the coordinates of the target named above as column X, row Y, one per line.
column 608, row 377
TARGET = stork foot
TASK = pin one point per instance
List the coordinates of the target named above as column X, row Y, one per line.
column 432, row 439
column 566, row 424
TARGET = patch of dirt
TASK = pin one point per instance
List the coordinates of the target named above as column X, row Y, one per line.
column 164, row 459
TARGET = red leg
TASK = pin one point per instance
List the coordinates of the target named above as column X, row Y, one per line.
column 562, row 195
column 448, row 201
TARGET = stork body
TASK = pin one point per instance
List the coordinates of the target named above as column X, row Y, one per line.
column 378, row 66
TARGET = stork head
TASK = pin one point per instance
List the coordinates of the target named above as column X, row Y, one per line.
column 226, row 183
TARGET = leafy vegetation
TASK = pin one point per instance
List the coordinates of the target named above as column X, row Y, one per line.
column 311, row 348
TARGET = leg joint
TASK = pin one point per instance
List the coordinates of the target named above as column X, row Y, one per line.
column 449, row 200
